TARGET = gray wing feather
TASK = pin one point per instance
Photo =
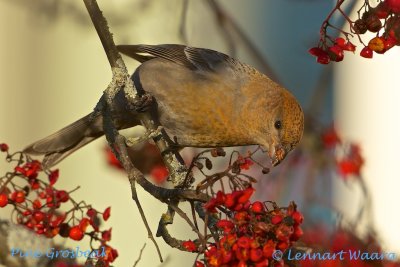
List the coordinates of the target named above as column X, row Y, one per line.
column 190, row 57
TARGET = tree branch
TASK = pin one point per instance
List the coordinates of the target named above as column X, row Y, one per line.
column 100, row 23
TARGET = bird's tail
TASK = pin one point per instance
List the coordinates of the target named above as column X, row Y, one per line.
column 62, row 143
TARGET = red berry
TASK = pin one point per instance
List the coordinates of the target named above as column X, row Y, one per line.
column 61, row 264
column 340, row 41
column 189, row 246
column 34, row 183
column 229, row 201
column 393, row 28
column 366, row 52
column 111, row 254
column 246, row 164
column 42, row 195
column 242, row 254
column 322, row 56
column 39, row 226
column 336, row 53
column 316, row 51
column 282, row 246
column 330, row 138
column 257, row 207
column 245, row 196
column 220, row 198
column 394, row 5
column 64, row 230
column 159, row 174
column 84, row 223
column 377, row 44
column 297, row 217
column 324, row 59
column 49, row 201
column 268, row 249
column 29, row 225
column 225, row 225
column 27, row 213
column 359, row 26
column 76, row 233
column 106, row 213
column 3, row 200
column 256, row 254
column 211, row 205
column 243, row 242
column 276, row 219
column 106, row 235
column 112, row 159
column 389, row 42
column 349, row 47
column 53, row 177
column 298, row 232
column 57, row 221
column 91, row 212
column 18, row 196
column 3, row 147
column 382, row 10
column 227, row 256
column 62, row 196
column 40, row 231
column 347, row 167
column 37, row 204
column 199, row 264
column 373, row 23
column 263, row 263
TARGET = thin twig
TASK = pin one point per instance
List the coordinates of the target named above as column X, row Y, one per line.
column 182, row 27
column 140, row 255
column 127, row 165
column 186, row 218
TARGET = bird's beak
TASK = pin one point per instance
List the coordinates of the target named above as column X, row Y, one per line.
column 277, row 153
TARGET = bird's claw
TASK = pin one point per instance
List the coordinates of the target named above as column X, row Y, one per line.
column 144, row 102
column 133, row 141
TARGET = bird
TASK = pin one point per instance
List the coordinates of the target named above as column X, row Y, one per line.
column 204, row 98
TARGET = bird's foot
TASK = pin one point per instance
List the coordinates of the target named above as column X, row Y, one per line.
column 133, row 141
column 143, row 103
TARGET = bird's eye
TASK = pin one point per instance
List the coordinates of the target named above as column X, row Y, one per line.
column 278, row 125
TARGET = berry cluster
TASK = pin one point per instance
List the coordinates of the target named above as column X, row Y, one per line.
column 349, row 161
column 251, row 232
column 382, row 19
column 37, row 205
column 335, row 52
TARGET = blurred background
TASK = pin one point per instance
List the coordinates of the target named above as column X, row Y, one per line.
column 53, row 70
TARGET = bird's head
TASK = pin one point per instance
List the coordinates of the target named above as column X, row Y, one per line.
column 286, row 128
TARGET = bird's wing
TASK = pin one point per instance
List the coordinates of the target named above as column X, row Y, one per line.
column 190, row 57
